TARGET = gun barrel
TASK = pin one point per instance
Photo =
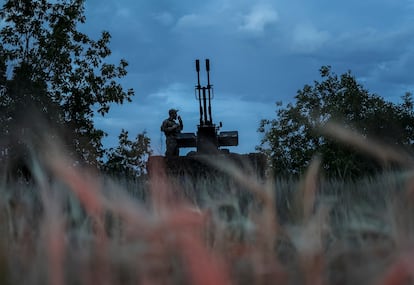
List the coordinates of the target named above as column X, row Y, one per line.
column 198, row 65
column 208, row 72
column 198, row 73
column 205, row 105
column 198, row 87
column 209, row 90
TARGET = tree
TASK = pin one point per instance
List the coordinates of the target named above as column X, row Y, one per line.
column 58, row 71
column 290, row 139
column 129, row 158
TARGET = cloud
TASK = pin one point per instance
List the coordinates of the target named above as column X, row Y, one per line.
column 308, row 39
column 259, row 18
column 175, row 95
column 113, row 122
column 191, row 21
column 164, row 18
column 367, row 48
column 394, row 72
column 123, row 12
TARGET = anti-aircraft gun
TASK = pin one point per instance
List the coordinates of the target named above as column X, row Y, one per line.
column 208, row 141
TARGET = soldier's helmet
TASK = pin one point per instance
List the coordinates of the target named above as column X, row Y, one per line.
column 172, row 111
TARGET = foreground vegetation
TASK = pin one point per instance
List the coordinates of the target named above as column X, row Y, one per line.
column 73, row 226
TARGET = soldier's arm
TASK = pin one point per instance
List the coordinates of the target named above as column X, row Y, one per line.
column 169, row 129
column 181, row 123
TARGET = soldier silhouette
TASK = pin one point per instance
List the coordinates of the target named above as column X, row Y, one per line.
column 171, row 129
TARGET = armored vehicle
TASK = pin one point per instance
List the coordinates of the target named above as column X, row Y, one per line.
column 209, row 141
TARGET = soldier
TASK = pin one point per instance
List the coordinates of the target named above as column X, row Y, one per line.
column 171, row 130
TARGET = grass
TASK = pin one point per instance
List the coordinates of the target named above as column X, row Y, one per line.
column 75, row 226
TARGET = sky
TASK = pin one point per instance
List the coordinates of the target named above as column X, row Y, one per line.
column 260, row 52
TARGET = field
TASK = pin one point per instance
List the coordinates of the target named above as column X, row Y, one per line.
column 74, row 226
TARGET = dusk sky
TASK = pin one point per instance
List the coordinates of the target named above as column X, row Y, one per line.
column 261, row 52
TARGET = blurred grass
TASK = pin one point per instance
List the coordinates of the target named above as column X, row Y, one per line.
column 75, row 226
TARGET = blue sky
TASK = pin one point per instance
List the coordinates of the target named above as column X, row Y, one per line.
column 260, row 52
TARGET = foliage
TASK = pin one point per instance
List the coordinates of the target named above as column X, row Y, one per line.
column 129, row 157
column 290, row 140
column 58, row 71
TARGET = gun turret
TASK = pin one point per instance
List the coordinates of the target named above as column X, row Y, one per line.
column 208, row 139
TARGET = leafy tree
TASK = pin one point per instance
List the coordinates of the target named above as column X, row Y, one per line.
column 290, row 139
column 58, row 71
column 129, row 158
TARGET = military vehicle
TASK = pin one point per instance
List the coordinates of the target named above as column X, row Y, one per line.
column 209, row 141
